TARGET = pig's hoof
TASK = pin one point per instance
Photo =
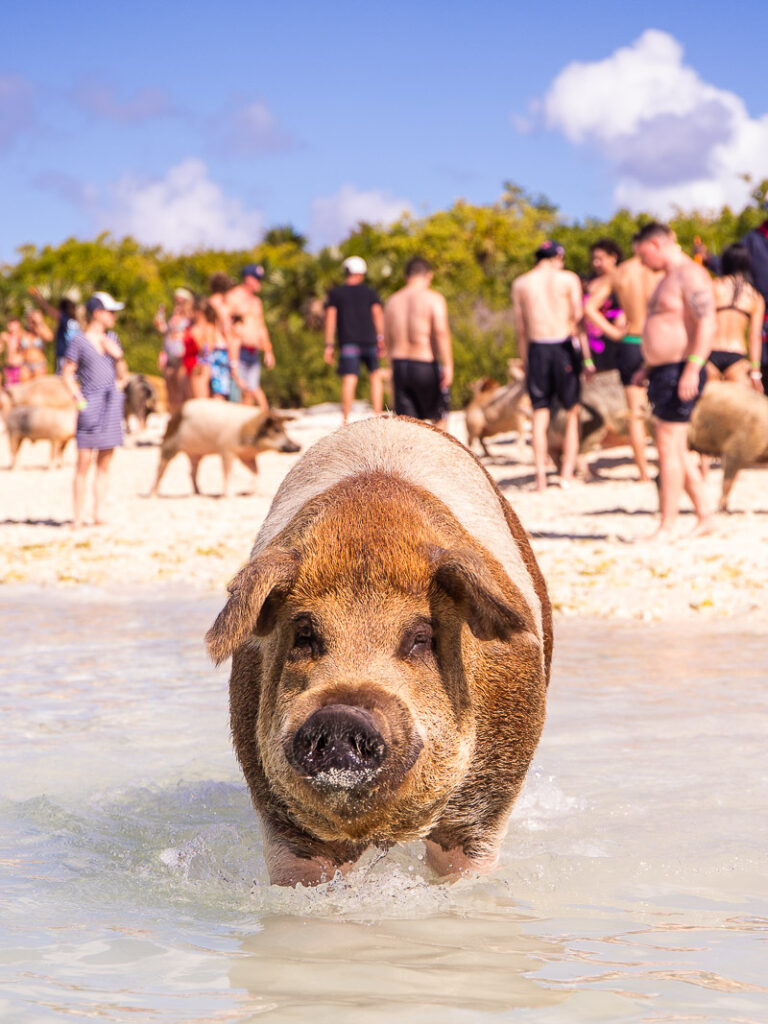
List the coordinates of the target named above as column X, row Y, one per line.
column 338, row 747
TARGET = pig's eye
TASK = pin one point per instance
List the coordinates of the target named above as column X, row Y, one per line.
column 306, row 642
column 418, row 642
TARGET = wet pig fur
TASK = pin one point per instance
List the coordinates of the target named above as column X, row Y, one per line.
column 391, row 642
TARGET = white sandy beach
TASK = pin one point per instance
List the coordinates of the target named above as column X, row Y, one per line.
column 583, row 537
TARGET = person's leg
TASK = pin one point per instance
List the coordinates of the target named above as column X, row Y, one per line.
column 377, row 392
column 570, row 444
column 637, row 436
column 671, row 439
column 540, row 449
column 82, row 465
column 103, row 460
column 348, row 388
column 261, row 400
column 738, row 373
column 695, row 488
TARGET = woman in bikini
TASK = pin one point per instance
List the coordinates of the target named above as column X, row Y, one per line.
column 171, row 359
column 740, row 312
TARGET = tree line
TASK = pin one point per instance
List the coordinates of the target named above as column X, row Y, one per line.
column 476, row 251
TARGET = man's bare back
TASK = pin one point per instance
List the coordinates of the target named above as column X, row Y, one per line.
column 633, row 284
column 547, row 303
column 416, row 326
column 683, row 297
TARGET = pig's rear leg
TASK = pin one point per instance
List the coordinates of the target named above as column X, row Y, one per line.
column 14, row 443
column 250, row 463
column 194, row 465
column 731, row 467
column 227, row 460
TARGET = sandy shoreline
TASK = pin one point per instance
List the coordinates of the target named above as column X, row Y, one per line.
column 582, row 537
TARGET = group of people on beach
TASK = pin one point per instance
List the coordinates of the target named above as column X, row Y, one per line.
column 658, row 318
column 214, row 346
column 664, row 323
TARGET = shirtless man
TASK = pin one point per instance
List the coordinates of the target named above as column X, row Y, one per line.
column 633, row 284
column 249, row 330
column 418, row 343
column 548, row 315
column 677, row 340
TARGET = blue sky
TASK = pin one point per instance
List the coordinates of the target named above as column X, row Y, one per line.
column 189, row 123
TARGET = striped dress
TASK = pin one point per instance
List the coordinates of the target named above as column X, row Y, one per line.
column 100, row 424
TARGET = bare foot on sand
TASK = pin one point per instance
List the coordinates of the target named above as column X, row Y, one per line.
column 703, row 528
column 661, row 536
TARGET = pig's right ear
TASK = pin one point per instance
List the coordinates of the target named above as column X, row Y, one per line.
column 255, row 589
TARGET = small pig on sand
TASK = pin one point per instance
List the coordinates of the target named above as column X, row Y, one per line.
column 391, row 639
column 731, row 421
column 205, row 426
column 39, row 410
column 497, row 409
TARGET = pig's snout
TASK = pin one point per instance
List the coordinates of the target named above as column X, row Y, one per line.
column 338, row 747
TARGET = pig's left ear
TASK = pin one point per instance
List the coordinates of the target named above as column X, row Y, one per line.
column 464, row 576
column 265, row 579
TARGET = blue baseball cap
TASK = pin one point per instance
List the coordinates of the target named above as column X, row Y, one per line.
column 254, row 270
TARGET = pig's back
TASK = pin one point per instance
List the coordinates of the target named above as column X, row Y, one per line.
column 420, row 455
column 206, row 425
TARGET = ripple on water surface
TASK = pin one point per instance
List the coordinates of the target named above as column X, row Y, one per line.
column 632, row 884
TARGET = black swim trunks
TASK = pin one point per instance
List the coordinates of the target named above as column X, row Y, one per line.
column 662, row 392
column 723, row 360
column 553, row 372
column 629, row 359
column 350, row 357
column 417, row 389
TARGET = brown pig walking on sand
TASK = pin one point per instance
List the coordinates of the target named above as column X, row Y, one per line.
column 391, row 639
column 731, row 421
column 205, row 427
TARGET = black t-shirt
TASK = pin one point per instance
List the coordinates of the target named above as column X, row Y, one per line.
column 354, row 323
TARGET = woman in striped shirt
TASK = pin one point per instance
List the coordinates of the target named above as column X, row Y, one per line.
column 90, row 372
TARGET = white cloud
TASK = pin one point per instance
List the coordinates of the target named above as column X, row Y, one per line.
column 252, row 130
column 184, row 210
column 672, row 138
column 332, row 217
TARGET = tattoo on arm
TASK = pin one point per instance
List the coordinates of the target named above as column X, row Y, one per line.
column 701, row 303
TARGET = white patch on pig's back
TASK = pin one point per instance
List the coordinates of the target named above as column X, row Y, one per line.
column 420, row 456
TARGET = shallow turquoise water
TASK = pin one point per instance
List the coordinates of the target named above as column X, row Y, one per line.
column 633, row 884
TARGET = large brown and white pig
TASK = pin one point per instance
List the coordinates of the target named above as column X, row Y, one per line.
column 731, row 421
column 391, row 639
column 205, row 426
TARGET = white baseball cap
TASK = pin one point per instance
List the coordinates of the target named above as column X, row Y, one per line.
column 355, row 265
column 103, row 300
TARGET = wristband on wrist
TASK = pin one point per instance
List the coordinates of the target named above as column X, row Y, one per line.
column 693, row 358
column 755, row 364
column 755, row 375
column 589, row 361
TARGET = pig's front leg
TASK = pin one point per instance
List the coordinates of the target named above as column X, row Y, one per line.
column 452, row 863
column 287, row 868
